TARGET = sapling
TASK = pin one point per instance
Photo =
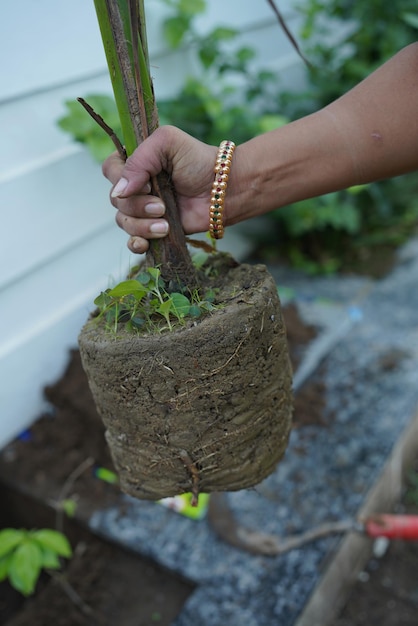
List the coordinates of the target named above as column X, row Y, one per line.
column 206, row 406
column 25, row 553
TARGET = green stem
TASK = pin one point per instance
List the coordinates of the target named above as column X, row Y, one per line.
column 123, row 30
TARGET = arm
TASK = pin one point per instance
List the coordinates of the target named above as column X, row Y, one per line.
column 368, row 134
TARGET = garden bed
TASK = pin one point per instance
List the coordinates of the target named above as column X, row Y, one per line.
column 57, row 459
column 102, row 585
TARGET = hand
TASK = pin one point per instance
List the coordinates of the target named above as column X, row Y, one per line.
column 190, row 164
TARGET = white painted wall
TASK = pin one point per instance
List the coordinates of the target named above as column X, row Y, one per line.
column 58, row 242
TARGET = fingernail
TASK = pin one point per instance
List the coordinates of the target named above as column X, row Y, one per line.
column 136, row 243
column 154, row 208
column 147, row 188
column 119, row 188
column 159, row 228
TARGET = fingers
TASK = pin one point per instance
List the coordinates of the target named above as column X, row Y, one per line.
column 139, row 206
column 138, row 245
column 133, row 176
column 145, row 228
column 149, row 159
column 113, row 169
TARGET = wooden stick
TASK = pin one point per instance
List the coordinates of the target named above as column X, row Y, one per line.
column 108, row 130
column 287, row 32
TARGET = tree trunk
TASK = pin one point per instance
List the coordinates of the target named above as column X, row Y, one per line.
column 170, row 253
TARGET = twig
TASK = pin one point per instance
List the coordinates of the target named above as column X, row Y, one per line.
column 108, row 130
column 75, row 598
column 229, row 530
column 287, row 32
column 68, row 485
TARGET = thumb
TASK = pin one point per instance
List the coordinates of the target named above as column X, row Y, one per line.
column 146, row 161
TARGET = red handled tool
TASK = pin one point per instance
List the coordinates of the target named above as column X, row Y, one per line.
column 391, row 526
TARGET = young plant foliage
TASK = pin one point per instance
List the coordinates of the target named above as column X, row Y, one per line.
column 25, row 553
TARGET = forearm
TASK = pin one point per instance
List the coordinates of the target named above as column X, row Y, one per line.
column 368, row 134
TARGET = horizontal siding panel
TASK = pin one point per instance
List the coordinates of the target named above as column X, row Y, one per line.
column 50, row 210
column 29, row 125
column 45, row 311
column 55, row 43
column 47, row 43
column 74, row 278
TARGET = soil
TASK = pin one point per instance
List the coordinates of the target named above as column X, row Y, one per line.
column 386, row 592
column 176, row 416
column 57, row 458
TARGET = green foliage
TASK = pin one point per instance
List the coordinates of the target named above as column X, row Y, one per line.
column 106, row 475
column 86, row 131
column 345, row 43
column 229, row 97
column 68, row 506
column 143, row 303
column 24, row 553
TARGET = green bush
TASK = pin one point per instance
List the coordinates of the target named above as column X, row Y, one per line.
column 345, row 41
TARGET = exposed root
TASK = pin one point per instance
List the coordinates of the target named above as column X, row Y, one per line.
column 61, row 580
column 194, row 474
column 67, row 487
column 233, row 355
column 229, row 530
column 189, row 392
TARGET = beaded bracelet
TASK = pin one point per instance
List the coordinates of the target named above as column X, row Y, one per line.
column 222, row 167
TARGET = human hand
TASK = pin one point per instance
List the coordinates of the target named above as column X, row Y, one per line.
column 190, row 164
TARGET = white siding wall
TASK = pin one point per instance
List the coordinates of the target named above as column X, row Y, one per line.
column 58, row 242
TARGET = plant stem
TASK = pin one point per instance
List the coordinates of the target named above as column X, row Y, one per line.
column 122, row 26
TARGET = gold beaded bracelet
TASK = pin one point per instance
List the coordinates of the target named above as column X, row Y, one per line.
column 222, row 167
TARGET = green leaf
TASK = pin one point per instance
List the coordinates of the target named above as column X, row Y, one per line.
column 126, row 288
column 192, row 7
column 200, row 258
column 4, row 566
column 25, row 567
column 411, row 19
column 222, row 33
column 53, row 540
column 164, row 308
column 9, row 539
column 106, row 475
column 50, row 559
column 195, row 311
column 270, row 122
column 84, row 129
column 154, row 272
column 180, row 304
column 138, row 322
column 245, row 54
column 210, row 296
column 69, row 506
column 174, row 30
column 103, row 300
column 357, row 188
column 144, row 278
